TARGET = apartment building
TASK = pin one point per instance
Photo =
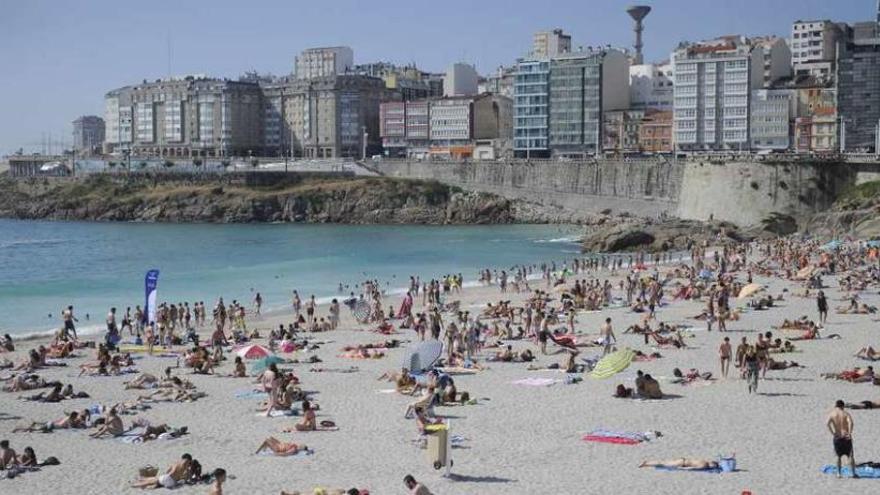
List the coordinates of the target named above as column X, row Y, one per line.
column 323, row 62
column 713, row 85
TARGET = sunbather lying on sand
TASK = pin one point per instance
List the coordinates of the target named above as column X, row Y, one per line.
column 781, row 365
column 72, row 420
column 683, row 463
column 175, row 475
column 868, row 353
column 865, row 404
column 856, row 375
column 280, row 448
column 153, row 432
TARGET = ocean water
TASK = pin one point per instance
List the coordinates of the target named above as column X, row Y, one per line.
column 45, row 266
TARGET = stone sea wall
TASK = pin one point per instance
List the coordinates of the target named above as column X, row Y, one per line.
column 741, row 191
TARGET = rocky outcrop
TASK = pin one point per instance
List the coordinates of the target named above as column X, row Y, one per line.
column 856, row 213
column 633, row 234
column 312, row 200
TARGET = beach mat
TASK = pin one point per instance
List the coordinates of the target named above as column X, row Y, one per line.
column 862, row 471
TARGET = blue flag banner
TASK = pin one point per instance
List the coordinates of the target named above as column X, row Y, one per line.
column 151, row 282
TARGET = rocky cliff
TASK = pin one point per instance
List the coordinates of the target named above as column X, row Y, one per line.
column 856, row 213
column 294, row 199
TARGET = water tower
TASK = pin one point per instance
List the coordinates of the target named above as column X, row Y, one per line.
column 638, row 13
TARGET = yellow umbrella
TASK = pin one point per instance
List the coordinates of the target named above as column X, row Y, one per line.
column 749, row 290
column 613, row 363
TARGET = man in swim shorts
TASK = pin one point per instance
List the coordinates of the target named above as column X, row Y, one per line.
column 840, row 424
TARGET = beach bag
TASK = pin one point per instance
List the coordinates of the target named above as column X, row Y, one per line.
column 51, row 461
column 727, row 464
column 148, row 471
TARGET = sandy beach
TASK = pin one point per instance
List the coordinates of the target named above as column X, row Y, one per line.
column 516, row 439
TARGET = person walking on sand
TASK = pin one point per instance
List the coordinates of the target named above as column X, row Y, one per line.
column 69, row 319
column 607, row 336
column 840, row 424
column 822, row 304
column 724, row 356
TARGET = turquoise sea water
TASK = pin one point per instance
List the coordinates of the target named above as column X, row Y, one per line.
column 44, row 266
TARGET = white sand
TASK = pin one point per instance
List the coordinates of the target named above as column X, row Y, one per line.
column 520, row 439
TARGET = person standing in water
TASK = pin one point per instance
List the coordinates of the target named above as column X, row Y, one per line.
column 258, row 303
column 840, row 424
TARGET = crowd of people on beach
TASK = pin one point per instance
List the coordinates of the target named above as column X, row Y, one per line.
column 537, row 310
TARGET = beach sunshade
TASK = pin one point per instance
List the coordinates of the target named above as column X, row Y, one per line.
column 361, row 311
column 263, row 364
column 423, row 355
column 253, row 352
column 613, row 363
column 749, row 290
column 873, row 244
column 705, row 274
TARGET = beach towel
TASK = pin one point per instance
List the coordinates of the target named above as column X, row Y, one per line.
column 280, row 413
column 301, row 453
column 862, row 471
column 251, row 394
column 619, row 437
column 707, row 470
column 536, row 382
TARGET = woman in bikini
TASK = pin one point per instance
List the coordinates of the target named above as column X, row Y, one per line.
column 281, row 448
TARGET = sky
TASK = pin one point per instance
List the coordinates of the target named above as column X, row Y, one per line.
column 59, row 58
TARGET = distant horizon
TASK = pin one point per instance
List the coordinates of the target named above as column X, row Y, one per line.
column 65, row 58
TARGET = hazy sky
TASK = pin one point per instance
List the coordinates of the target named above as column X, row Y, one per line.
column 58, row 58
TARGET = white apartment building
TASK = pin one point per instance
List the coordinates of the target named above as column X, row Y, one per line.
column 451, row 120
column 651, row 86
column 713, row 84
column 814, row 47
column 460, row 80
column 324, row 62
column 772, row 111
column 547, row 44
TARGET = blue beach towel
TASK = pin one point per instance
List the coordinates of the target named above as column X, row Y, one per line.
column 862, row 471
column 707, row 470
column 251, row 394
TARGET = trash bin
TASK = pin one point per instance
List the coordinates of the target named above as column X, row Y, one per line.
column 438, row 445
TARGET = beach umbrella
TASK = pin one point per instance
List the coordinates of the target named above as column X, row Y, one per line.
column 873, row 244
column 705, row 274
column 264, row 363
column 748, row 290
column 613, row 363
column 423, row 355
column 253, row 351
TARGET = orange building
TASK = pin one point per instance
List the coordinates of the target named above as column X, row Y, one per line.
column 655, row 133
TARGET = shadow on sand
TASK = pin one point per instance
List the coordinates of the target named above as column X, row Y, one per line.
column 479, row 479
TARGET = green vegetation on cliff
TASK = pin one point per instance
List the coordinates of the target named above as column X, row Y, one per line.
column 248, row 198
